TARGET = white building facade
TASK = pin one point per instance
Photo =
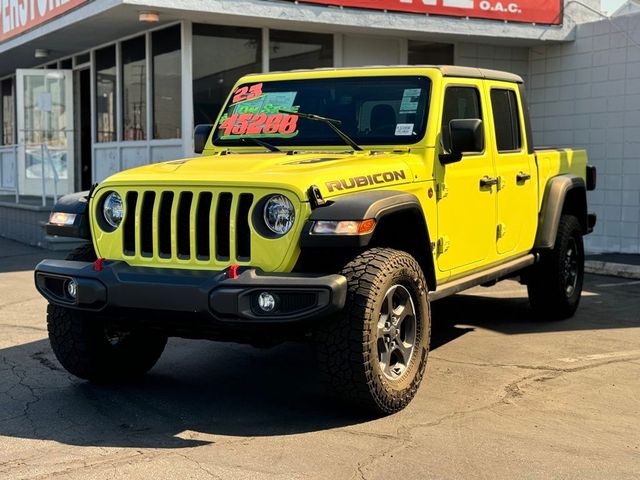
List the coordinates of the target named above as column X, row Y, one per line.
column 93, row 87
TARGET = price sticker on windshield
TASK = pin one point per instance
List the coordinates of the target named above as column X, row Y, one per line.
column 404, row 129
column 255, row 124
column 245, row 93
column 410, row 100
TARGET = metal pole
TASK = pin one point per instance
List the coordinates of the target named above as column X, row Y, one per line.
column 44, row 181
column 54, row 172
column 16, row 181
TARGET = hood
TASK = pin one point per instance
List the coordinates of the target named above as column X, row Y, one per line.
column 333, row 173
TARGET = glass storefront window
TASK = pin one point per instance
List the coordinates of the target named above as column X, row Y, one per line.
column 221, row 55
column 167, row 83
column 6, row 112
column 295, row 50
column 82, row 58
column 106, row 94
column 134, row 89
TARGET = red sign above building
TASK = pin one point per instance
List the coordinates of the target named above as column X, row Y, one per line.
column 18, row 16
column 529, row 11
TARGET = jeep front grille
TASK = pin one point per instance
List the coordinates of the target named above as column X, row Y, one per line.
column 187, row 225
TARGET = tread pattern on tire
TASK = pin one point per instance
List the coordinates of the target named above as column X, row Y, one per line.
column 80, row 344
column 79, row 341
column 346, row 364
column 545, row 286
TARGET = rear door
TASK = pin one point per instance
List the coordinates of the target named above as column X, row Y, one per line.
column 466, row 208
column 516, row 172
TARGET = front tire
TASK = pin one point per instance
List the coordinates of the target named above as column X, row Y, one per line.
column 555, row 284
column 95, row 349
column 92, row 347
column 375, row 352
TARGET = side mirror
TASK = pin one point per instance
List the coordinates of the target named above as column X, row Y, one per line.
column 466, row 136
column 200, row 137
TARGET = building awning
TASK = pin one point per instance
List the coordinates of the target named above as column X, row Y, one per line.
column 101, row 21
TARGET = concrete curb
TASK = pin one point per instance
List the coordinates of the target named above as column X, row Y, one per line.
column 612, row 269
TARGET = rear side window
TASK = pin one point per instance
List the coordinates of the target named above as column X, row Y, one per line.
column 506, row 119
column 460, row 103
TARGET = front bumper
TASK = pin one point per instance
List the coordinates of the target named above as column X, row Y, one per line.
column 213, row 294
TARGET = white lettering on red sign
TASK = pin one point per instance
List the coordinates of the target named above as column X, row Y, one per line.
column 500, row 7
column 19, row 16
column 534, row 11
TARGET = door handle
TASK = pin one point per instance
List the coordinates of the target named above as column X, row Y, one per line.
column 487, row 181
column 523, row 177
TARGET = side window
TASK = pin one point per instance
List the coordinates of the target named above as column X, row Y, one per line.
column 460, row 103
column 507, row 121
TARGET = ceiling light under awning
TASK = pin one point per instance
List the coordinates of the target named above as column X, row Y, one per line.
column 149, row 17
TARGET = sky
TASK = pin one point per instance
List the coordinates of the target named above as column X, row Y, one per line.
column 611, row 6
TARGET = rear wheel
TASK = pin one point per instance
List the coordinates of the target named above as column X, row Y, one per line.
column 374, row 353
column 555, row 284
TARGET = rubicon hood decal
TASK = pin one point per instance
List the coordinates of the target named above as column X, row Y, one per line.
column 365, row 180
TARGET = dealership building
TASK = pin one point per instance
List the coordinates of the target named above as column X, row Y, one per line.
column 92, row 87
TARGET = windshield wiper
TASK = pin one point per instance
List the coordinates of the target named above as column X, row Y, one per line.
column 331, row 122
column 257, row 141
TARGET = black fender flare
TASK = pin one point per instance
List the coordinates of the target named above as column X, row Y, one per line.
column 378, row 205
column 557, row 193
column 77, row 204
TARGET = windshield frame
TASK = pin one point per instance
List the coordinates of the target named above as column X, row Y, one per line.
column 331, row 140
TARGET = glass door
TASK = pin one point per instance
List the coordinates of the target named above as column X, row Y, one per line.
column 45, row 131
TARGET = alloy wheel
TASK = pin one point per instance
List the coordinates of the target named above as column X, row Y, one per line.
column 396, row 332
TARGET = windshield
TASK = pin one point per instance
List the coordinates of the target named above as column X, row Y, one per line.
column 386, row 110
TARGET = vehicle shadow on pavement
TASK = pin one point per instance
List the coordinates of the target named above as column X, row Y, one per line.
column 202, row 389
column 512, row 315
column 198, row 389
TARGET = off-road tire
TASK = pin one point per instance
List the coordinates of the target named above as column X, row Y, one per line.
column 83, row 341
column 347, row 345
column 547, row 284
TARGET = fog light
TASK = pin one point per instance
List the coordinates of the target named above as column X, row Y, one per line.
column 72, row 288
column 266, row 302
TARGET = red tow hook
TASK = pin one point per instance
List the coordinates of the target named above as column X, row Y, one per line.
column 98, row 265
column 233, row 271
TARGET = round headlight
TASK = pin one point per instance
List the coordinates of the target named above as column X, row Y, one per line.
column 279, row 214
column 113, row 209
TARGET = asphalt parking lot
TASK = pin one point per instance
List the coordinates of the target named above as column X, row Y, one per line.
column 506, row 395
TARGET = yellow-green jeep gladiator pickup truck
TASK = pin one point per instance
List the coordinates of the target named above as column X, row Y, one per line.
column 330, row 205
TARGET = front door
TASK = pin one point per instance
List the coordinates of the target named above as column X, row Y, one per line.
column 466, row 201
column 45, row 131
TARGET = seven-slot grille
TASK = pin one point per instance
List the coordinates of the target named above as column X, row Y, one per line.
column 185, row 225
